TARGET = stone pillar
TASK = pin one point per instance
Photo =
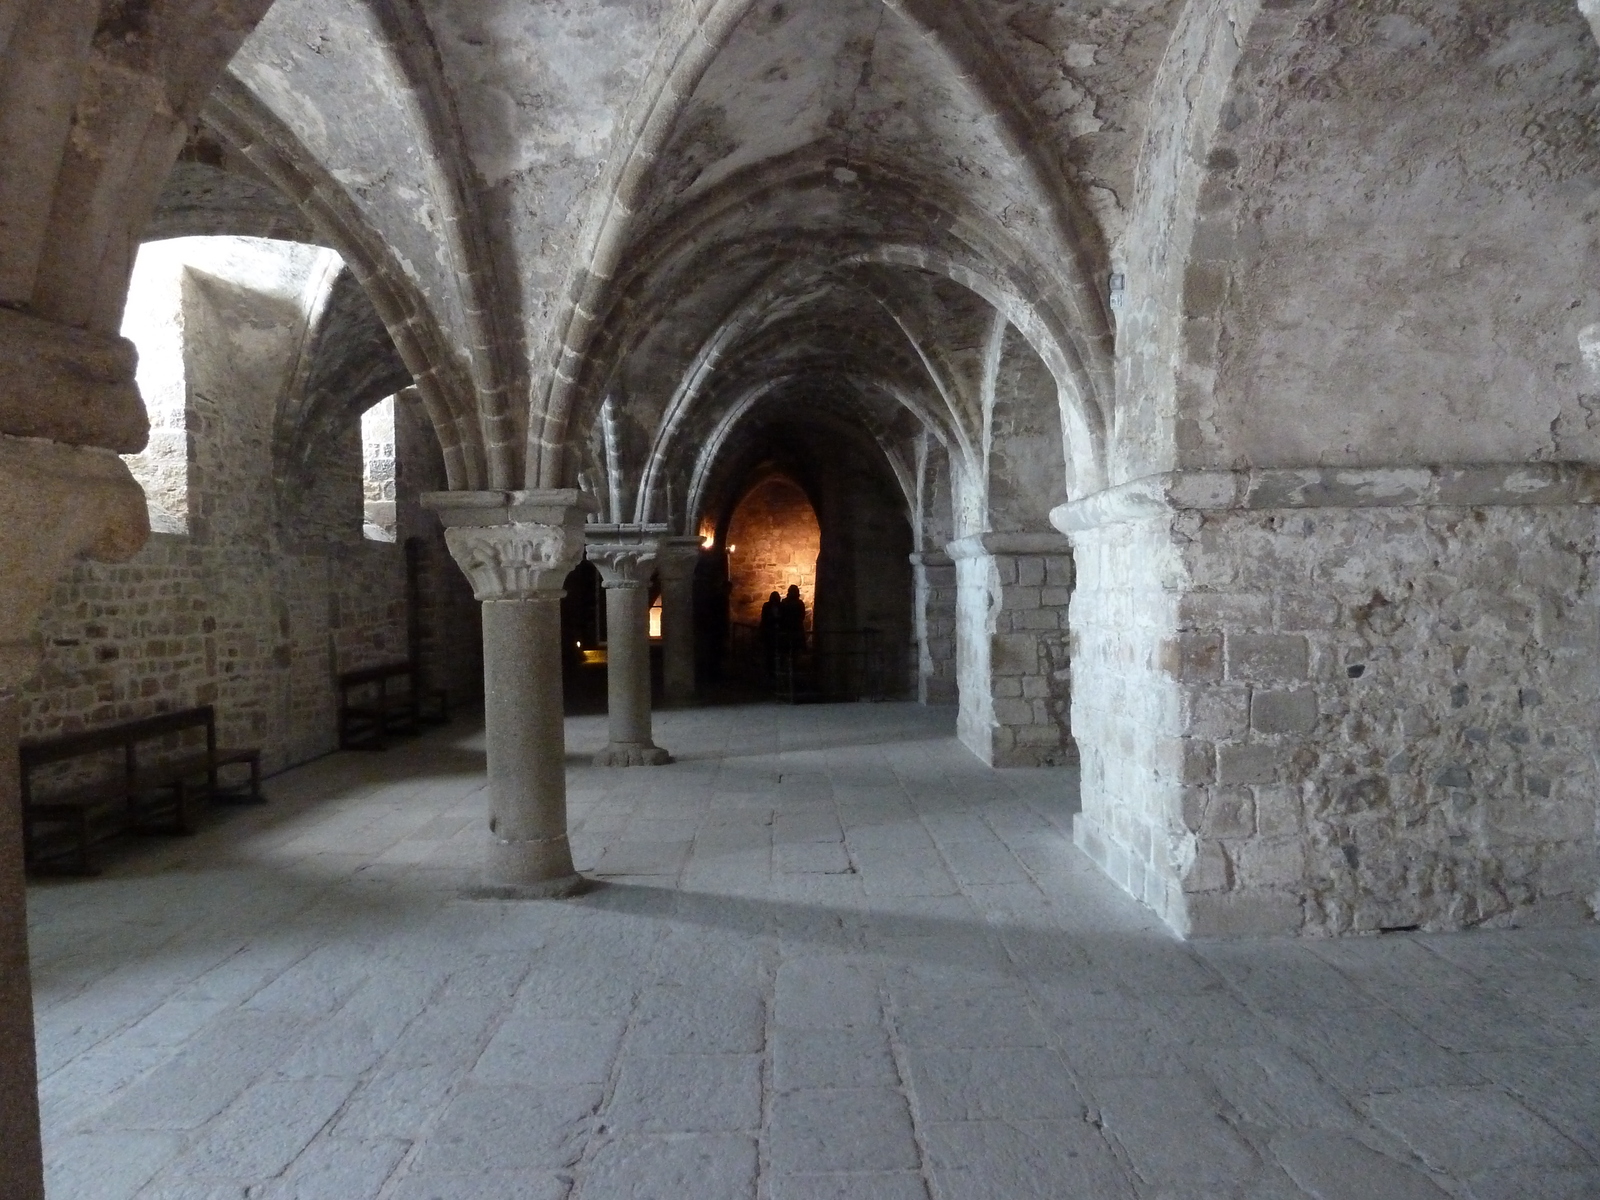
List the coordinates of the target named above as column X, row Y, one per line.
column 675, row 566
column 626, row 558
column 1012, row 648
column 1341, row 700
column 56, row 502
column 21, row 1166
column 517, row 549
column 934, row 622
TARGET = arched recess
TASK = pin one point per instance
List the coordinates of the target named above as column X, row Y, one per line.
column 348, row 363
column 715, row 448
column 863, row 573
column 346, row 359
column 765, row 321
column 773, row 541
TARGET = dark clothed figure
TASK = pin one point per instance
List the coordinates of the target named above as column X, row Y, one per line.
column 771, row 621
column 792, row 619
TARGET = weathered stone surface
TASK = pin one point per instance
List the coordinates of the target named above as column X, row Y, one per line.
column 56, row 502
column 1012, row 649
column 68, row 385
column 1442, row 821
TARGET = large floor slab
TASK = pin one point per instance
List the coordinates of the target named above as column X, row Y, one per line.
column 833, row 958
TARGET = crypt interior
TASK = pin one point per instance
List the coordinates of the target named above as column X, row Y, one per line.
column 1179, row 420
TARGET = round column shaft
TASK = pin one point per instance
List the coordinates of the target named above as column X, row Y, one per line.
column 628, row 664
column 526, row 742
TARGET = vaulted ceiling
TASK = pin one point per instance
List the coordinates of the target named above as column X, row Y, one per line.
column 696, row 211
column 698, row 214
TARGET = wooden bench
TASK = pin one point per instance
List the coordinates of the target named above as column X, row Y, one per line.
column 385, row 707
column 148, row 789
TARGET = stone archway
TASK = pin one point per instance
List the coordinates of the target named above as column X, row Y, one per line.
column 773, row 540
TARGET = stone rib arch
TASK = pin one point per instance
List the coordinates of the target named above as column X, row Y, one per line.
column 711, row 453
column 680, row 70
column 441, row 379
column 758, row 303
column 127, row 94
column 1083, row 415
column 349, row 364
column 492, row 309
column 676, row 254
column 950, row 237
column 91, row 122
column 1190, row 90
column 1076, row 244
column 285, row 428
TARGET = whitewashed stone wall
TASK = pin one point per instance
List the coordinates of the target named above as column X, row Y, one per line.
column 1335, row 702
column 1012, row 654
column 934, row 626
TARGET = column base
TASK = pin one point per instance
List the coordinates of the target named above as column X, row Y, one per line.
column 632, row 754
column 535, row 868
column 554, row 889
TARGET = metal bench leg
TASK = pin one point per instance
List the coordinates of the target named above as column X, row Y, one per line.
column 84, row 865
column 180, row 796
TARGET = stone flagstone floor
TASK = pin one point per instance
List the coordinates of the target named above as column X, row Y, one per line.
column 834, row 958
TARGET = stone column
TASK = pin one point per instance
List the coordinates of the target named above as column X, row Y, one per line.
column 56, row 502
column 626, row 558
column 517, row 549
column 934, row 622
column 1285, row 731
column 675, row 565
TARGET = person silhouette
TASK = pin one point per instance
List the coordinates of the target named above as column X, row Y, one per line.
column 771, row 622
column 792, row 618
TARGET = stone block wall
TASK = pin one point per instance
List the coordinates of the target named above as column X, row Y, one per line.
column 1013, row 658
column 1285, row 730
column 259, row 635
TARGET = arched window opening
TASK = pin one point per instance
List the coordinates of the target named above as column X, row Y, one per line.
column 153, row 321
column 380, row 472
column 773, row 541
column 211, row 317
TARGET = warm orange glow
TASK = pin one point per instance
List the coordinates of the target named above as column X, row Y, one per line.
column 655, row 619
column 778, row 529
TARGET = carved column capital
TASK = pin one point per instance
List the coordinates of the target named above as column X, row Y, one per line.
column 677, row 558
column 513, row 545
column 56, row 503
column 625, row 555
